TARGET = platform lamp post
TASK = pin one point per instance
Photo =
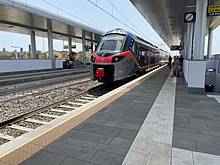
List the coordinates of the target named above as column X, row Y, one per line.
column 3, row 46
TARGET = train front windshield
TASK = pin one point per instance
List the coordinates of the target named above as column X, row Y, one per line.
column 112, row 43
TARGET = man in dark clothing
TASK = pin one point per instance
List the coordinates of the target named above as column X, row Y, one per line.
column 181, row 59
column 170, row 61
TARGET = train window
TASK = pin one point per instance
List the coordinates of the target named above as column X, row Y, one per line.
column 111, row 43
column 133, row 48
column 131, row 44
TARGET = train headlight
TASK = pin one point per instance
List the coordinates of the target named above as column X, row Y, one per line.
column 92, row 59
column 117, row 58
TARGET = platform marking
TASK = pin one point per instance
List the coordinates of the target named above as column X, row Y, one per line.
column 217, row 97
column 153, row 143
column 187, row 157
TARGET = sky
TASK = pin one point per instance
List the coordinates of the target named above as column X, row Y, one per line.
column 90, row 14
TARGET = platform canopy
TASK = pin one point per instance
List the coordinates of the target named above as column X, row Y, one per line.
column 20, row 17
column 167, row 17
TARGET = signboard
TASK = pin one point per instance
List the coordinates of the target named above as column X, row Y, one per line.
column 189, row 17
column 213, row 10
column 175, row 47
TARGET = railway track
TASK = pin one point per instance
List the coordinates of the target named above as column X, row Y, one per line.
column 19, row 125
column 26, row 85
column 36, row 91
column 17, row 106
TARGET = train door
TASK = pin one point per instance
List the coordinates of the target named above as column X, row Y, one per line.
column 129, row 66
column 146, row 56
column 157, row 56
column 135, row 49
column 152, row 57
column 131, row 62
column 143, row 56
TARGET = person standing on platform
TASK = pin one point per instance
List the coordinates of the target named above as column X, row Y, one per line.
column 170, row 61
column 176, row 67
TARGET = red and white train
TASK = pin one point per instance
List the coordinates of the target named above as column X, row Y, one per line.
column 120, row 54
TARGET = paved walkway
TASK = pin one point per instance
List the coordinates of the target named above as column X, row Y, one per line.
column 196, row 135
column 157, row 122
column 153, row 144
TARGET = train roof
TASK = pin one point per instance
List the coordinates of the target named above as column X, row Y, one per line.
column 127, row 33
column 120, row 31
column 144, row 42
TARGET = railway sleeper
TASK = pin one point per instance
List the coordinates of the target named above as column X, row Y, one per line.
column 88, row 98
column 58, row 110
column 66, row 106
column 74, row 103
column 7, row 137
column 20, row 127
column 48, row 115
column 36, row 121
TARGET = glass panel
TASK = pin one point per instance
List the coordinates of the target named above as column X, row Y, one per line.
column 111, row 43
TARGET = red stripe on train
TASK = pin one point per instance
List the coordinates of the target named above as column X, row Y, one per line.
column 109, row 58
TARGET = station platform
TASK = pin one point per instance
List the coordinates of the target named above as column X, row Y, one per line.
column 154, row 122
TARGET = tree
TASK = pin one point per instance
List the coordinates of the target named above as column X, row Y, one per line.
column 6, row 55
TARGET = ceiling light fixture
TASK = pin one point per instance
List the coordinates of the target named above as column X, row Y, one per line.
column 191, row 6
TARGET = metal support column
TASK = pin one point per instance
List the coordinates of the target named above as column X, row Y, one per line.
column 50, row 43
column 91, row 46
column 83, row 47
column 185, row 44
column 200, row 29
column 70, row 44
column 33, row 45
column 210, row 40
column 91, row 43
column 189, row 40
column 195, row 69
